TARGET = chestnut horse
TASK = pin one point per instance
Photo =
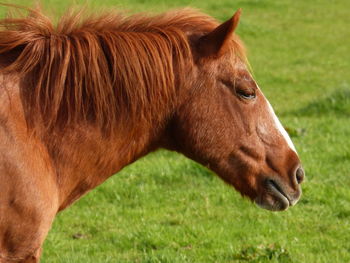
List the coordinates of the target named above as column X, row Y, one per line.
column 83, row 99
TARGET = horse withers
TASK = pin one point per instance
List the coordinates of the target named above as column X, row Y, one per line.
column 83, row 99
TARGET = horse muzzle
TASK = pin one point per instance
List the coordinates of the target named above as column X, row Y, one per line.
column 277, row 195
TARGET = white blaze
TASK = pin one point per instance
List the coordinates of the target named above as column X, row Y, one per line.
column 280, row 127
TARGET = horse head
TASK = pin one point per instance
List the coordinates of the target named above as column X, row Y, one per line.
column 227, row 124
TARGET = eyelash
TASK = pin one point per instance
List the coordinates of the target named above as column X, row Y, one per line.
column 243, row 94
column 239, row 91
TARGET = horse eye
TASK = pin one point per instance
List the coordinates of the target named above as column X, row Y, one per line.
column 245, row 94
column 241, row 91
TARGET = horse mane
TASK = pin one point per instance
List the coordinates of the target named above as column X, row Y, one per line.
column 98, row 68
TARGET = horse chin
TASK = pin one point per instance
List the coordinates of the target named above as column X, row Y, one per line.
column 273, row 203
column 274, row 199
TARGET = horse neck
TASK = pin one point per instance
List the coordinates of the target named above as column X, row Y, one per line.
column 84, row 157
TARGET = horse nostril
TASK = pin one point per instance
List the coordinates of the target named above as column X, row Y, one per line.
column 299, row 174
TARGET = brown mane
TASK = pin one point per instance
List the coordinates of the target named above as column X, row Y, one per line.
column 98, row 68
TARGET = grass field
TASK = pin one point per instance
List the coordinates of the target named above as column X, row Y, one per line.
column 165, row 208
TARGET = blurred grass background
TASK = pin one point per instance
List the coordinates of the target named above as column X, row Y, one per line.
column 165, row 208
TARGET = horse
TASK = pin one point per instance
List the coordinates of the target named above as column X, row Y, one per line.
column 84, row 98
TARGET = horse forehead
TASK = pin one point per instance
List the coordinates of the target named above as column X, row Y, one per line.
column 235, row 71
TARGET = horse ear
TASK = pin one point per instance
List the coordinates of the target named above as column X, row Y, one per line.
column 216, row 43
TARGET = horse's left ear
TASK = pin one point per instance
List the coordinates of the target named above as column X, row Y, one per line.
column 216, row 43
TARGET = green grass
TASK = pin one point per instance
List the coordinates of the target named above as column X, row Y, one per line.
column 165, row 208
